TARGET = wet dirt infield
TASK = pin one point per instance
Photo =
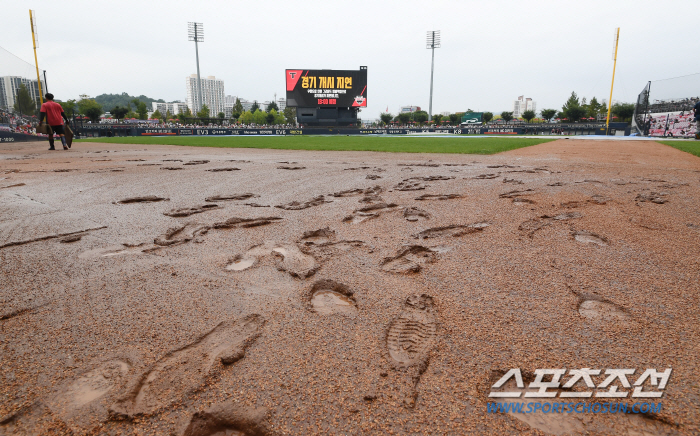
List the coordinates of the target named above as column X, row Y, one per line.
column 207, row 291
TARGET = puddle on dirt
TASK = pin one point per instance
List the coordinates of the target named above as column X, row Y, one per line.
column 240, row 264
column 602, row 312
column 590, row 238
column 327, row 302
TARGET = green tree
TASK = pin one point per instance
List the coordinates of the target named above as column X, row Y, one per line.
column 486, row 117
column 238, row 107
column 203, row 112
column 404, row 117
column 385, row 117
column 168, row 115
column 69, row 107
column 221, row 115
column 420, row 116
column 290, row 114
column 142, row 110
column 90, row 108
column 246, row 118
column 548, row 114
column 593, row 108
column 623, row 111
column 119, row 112
column 437, row 118
column 259, row 117
column 255, row 107
column 572, row 109
column 271, row 106
column 506, row 116
column 528, row 115
column 157, row 115
column 271, row 116
column 455, row 119
column 23, row 101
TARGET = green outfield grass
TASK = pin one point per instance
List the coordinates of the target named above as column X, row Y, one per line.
column 692, row 147
column 451, row 144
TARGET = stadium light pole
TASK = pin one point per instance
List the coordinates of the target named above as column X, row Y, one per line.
column 195, row 32
column 432, row 42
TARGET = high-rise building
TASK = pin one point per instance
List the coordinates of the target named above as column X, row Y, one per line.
column 409, row 109
column 212, row 94
column 9, row 86
column 175, row 107
column 229, row 103
column 282, row 104
column 523, row 104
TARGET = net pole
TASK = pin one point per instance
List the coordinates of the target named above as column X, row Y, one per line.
column 36, row 62
column 607, row 121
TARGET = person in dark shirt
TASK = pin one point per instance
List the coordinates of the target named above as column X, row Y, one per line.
column 53, row 113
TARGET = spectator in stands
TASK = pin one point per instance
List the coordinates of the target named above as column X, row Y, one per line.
column 696, row 109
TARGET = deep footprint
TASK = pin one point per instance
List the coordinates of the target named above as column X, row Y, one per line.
column 409, row 260
column 328, row 297
column 451, row 231
column 295, row 205
column 187, row 211
column 237, row 222
column 216, row 198
column 145, row 199
column 182, row 371
column 180, row 235
column 415, row 214
column 228, row 419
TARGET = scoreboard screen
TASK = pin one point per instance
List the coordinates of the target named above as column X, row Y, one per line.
column 327, row 88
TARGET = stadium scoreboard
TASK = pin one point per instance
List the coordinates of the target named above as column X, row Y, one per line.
column 327, row 88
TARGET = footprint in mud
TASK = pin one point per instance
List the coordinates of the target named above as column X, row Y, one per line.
column 410, row 338
column 556, row 184
column 256, row 205
column 603, row 312
column 187, row 211
column 216, row 198
column 599, row 199
column 513, row 181
column 371, row 199
column 181, row 234
column 375, row 190
column 409, row 260
column 295, row 205
column 415, row 214
column 171, row 160
column 410, row 185
column 220, row 170
column 171, row 168
column 520, row 201
column 486, row 176
column 289, row 258
column 565, row 216
column 373, row 177
column 590, row 238
column 71, row 238
column 328, row 297
column 438, row 197
column 652, row 197
column 111, row 251
column 369, row 212
column 455, row 230
column 228, row 419
column 327, row 250
column 533, row 225
column 428, row 164
column 320, row 236
column 145, row 199
column 517, row 193
column 571, row 204
column 288, row 167
column 183, row 371
column 81, row 403
column 196, row 162
column 237, row 222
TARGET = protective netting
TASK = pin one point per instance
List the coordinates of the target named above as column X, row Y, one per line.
column 665, row 107
column 15, row 72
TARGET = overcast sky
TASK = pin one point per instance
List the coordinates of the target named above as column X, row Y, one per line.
column 492, row 51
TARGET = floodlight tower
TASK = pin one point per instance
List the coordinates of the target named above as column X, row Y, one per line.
column 195, row 32
column 432, row 42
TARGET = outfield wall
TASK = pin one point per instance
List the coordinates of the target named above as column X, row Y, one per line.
column 549, row 129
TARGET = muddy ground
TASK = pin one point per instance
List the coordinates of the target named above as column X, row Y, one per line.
column 200, row 291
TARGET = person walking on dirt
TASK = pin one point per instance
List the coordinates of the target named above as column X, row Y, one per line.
column 53, row 113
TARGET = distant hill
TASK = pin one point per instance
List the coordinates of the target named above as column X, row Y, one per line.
column 108, row 101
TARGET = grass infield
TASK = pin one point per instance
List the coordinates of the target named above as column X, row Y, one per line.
column 450, row 144
column 692, row 147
